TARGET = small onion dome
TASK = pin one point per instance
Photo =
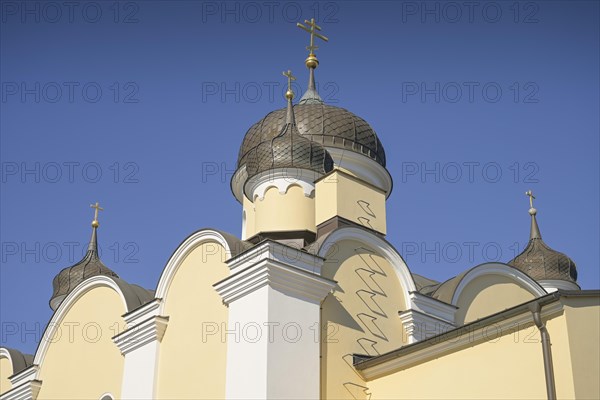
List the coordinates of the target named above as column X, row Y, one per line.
column 288, row 150
column 323, row 124
column 70, row 277
column 541, row 262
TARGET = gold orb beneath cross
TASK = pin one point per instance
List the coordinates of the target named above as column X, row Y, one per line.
column 311, row 61
column 95, row 224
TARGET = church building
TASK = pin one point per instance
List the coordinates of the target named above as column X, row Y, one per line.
column 311, row 301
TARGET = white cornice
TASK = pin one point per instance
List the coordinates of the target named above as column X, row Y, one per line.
column 144, row 326
column 271, row 250
column 433, row 307
column 466, row 336
column 148, row 331
column 419, row 326
column 285, row 278
column 26, row 391
column 552, row 285
column 27, row 375
column 364, row 168
column 501, row 270
column 142, row 313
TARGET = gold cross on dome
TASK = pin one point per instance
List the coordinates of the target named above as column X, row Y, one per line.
column 96, row 209
column 529, row 193
column 290, row 77
column 313, row 32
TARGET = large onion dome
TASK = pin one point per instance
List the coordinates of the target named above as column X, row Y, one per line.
column 349, row 140
column 326, row 125
column 288, row 149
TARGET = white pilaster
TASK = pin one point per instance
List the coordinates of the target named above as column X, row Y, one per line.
column 140, row 344
column 274, row 296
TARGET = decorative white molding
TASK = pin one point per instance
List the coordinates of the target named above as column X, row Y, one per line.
column 552, row 285
column 501, row 270
column 180, row 254
column 467, row 336
column 377, row 245
column 285, row 278
column 433, row 307
column 142, row 313
column 273, row 288
column 140, row 344
column 4, row 353
column 427, row 317
column 361, row 165
column 419, row 326
column 27, row 375
column 282, row 179
column 141, row 334
column 365, row 168
column 271, row 250
column 26, row 391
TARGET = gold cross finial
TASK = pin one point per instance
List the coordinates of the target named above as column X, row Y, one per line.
column 311, row 61
column 529, row 193
column 289, row 94
column 97, row 208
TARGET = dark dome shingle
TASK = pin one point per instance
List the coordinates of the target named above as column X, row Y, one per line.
column 327, row 125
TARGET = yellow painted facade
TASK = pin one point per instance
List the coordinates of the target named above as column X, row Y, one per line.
column 507, row 363
column 194, row 310
column 343, row 195
column 6, row 370
column 81, row 349
column 508, row 367
column 248, row 217
column 487, row 295
column 359, row 317
column 272, row 213
column 583, row 328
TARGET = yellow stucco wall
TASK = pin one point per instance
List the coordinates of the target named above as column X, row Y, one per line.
column 583, row 326
column 361, row 316
column 82, row 362
column 248, row 217
column 340, row 194
column 292, row 211
column 487, row 295
column 505, row 367
column 5, row 371
column 192, row 364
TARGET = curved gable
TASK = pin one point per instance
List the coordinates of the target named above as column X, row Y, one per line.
column 361, row 315
column 191, row 348
column 77, row 346
column 490, row 288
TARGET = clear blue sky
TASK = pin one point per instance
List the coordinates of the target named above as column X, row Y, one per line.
column 143, row 108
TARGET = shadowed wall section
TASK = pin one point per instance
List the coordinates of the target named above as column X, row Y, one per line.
column 360, row 316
